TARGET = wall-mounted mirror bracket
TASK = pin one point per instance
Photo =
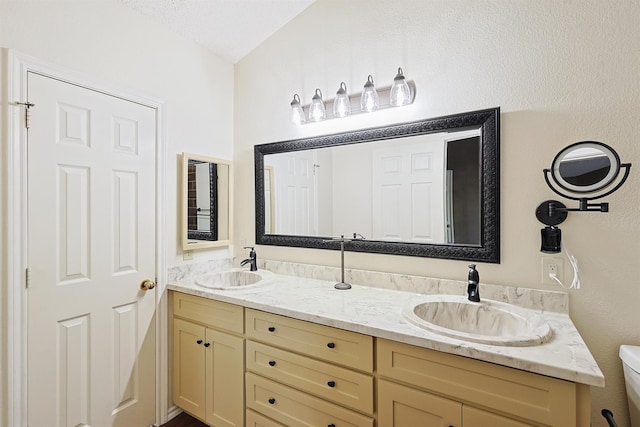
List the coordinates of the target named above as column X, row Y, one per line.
column 553, row 212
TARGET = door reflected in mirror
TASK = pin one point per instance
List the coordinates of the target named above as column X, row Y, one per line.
column 206, row 202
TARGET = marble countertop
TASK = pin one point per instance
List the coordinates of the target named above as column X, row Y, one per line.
column 377, row 312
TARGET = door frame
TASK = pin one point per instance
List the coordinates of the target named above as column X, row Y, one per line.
column 13, row 296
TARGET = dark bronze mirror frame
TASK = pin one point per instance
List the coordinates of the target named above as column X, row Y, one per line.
column 212, row 234
column 489, row 249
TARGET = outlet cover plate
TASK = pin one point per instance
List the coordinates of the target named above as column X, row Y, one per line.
column 549, row 263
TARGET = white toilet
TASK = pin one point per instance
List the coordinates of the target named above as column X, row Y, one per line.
column 630, row 356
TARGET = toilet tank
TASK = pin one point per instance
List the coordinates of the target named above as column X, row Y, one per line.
column 630, row 356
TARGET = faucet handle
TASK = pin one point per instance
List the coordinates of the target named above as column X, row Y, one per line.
column 474, row 276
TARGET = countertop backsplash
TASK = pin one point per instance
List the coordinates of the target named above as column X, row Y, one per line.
column 535, row 299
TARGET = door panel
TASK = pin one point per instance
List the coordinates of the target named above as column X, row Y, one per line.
column 91, row 220
column 295, row 192
column 408, row 192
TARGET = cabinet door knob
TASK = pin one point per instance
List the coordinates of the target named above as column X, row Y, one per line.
column 207, row 344
column 331, row 345
column 272, row 329
column 199, row 341
column 272, row 363
column 331, row 425
column 331, row 384
column 272, row 401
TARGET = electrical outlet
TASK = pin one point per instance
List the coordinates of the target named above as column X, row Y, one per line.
column 187, row 255
column 551, row 266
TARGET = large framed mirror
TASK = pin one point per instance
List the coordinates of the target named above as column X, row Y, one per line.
column 206, row 202
column 429, row 188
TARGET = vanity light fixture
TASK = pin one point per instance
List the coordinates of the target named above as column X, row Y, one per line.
column 296, row 114
column 371, row 99
column 316, row 109
column 400, row 92
column 342, row 103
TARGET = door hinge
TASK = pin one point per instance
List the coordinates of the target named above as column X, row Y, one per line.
column 27, row 112
column 27, row 274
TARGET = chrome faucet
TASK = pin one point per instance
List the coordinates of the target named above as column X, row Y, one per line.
column 343, row 285
column 473, row 284
column 253, row 259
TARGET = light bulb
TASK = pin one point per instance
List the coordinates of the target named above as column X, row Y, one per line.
column 296, row 115
column 342, row 103
column 369, row 100
column 400, row 91
column 316, row 109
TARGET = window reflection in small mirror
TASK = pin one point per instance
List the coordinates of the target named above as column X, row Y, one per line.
column 206, row 202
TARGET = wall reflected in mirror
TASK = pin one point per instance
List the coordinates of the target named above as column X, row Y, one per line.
column 419, row 189
column 206, row 202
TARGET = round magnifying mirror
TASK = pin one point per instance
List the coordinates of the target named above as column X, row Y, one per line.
column 585, row 167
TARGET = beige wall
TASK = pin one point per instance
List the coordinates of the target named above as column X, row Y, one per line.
column 562, row 71
column 109, row 43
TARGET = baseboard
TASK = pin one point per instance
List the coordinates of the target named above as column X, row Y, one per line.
column 174, row 411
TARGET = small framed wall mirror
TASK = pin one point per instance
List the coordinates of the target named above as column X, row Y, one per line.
column 206, row 202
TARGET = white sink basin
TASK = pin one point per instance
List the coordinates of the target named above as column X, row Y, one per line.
column 486, row 322
column 236, row 278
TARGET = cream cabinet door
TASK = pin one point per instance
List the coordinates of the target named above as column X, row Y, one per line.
column 400, row 406
column 224, row 379
column 189, row 367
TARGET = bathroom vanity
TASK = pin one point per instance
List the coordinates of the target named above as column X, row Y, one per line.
column 297, row 352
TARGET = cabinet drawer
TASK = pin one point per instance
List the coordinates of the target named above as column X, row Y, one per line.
column 330, row 382
column 296, row 409
column 258, row 420
column 323, row 342
column 209, row 312
column 523, row 394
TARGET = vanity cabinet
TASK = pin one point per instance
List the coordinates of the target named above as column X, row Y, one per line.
column 418, row 384
column 303, row 374
column 208, row 360
column 235, row 366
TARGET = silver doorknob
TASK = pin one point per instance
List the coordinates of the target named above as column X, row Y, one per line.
column 147, row 285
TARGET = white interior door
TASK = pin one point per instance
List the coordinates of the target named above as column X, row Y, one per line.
column 91, row 220
column 408, row 192
column 295, row 193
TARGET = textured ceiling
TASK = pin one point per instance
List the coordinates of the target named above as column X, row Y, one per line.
column 229, row 28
